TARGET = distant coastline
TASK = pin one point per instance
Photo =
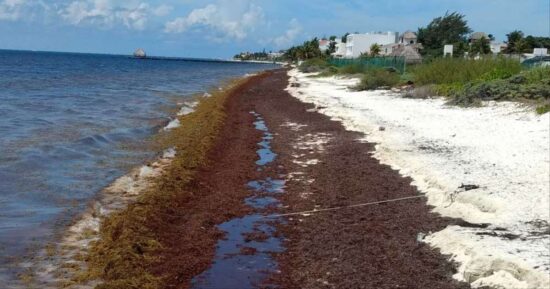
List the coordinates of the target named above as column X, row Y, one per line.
column 169, row 58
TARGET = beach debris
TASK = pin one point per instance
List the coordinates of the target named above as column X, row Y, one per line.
column 466, row 187
column 420, row 237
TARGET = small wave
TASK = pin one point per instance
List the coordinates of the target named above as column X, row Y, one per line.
column 188, row 107
column 172, row 124
column 94, row 140
column 77, row 239
column 184, row 110
column 169, row 153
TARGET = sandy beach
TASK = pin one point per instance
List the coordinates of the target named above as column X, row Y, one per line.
column 488, row 166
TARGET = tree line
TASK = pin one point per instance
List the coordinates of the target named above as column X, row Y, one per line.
column 451, row 28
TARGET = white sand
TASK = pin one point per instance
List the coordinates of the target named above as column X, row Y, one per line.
column 502, row 147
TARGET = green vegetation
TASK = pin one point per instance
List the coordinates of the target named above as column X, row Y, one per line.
column 375, row 50
column 452, row 71
column 480, row 46
column 129, row 246
column 314, row 65
column 378, row 78
column 354, row 68
column 258, row 56
column 517, row 43
column 453, row 29
column 530, row 85
column 325, row 68
column 543, row 109
column 448, row 29
column 468, row 81
column 308, row 50
column 465, row 81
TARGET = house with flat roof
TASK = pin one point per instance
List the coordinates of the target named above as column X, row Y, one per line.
column 357, row 44
column 340, row 49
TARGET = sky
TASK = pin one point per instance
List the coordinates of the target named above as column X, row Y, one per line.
column 222, row 28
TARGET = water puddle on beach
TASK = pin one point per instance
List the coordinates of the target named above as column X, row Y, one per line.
column 244, row 259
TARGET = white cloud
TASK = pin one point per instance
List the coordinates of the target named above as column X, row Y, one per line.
column 289, row 36
column 163, row 10
column 223, row 19
column 13, row 10
column 104, row 14
column 134, row 18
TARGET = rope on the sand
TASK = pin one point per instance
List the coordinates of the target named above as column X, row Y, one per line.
column 343, row 207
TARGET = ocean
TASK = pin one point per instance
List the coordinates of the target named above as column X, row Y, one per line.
column 71, row 124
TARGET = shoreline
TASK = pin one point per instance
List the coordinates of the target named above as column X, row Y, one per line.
column 60, row 262
column 167, row 227
column 64, row 263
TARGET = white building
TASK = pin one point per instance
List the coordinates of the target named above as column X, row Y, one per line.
column 340, row 49
column 388, row 49
column 324, row 44
column 540, row 52
column 497, row 48
column 361, row 43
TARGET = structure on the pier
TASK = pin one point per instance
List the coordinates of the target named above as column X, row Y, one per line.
column 140, row 53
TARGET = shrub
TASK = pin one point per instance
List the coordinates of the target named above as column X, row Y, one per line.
column 543, row 109
column 501, row 90
column 313, row 65
column 537, row 74
column 328, row 71
column 448, row 89
column 354, row 68
column 459, row 70
column 378, row 78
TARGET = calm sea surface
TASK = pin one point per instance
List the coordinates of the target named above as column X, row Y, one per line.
column 72, row 123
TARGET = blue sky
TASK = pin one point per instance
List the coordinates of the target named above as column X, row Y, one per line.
column 221, row 28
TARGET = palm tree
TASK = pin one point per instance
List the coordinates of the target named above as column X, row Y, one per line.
column 364, row 55
column 375, row 50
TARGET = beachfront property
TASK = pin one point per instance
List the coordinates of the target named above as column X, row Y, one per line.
column 407, row 46
column 408, row 37
column 324, row 44
column 497, row 47
column 340, row 49
column 476, row 36
column 391, row 44
column 356, row 44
